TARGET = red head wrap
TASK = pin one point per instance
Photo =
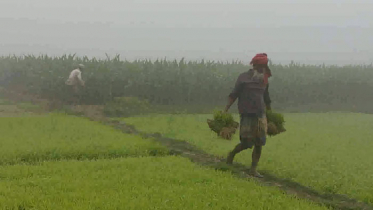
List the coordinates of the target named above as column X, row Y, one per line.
column 260, row 58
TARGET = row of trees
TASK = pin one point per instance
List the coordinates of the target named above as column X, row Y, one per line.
column 294, row 87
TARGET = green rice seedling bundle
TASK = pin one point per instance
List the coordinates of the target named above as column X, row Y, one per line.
column 275, row 122
column 223, row 124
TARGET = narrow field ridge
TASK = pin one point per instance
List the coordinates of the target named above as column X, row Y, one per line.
column 184, row 149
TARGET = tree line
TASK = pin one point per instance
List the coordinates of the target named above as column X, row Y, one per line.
column 294, row 87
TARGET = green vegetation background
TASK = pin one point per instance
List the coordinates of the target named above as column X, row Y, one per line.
column 195, row 85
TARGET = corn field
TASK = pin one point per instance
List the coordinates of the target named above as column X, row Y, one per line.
column 203, row 83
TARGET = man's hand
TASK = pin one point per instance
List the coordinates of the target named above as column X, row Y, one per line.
column 229, row 104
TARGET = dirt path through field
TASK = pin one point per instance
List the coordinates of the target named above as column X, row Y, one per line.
column 184, row 149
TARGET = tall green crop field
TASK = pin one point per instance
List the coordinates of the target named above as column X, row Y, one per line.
column 191, row 84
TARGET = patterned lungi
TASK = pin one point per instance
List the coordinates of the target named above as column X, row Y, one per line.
column 253, row 130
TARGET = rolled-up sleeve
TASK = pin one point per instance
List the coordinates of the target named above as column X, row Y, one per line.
column 237, row 89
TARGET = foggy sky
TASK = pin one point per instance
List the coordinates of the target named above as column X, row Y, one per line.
column 306, row 31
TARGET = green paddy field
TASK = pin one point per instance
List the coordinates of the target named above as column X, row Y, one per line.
column 59, row 161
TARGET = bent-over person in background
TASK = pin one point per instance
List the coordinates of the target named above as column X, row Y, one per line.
column 75, row 83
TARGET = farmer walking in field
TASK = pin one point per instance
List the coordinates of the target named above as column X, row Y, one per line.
column 75, row 82
column 251, row 89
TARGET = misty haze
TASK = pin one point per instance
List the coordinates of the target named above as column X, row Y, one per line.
column 186, row 104
column 306, row 31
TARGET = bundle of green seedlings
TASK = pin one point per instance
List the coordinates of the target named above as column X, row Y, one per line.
column 224, row 125
column 275, row 123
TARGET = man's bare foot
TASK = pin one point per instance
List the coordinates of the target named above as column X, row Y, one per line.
column 230, row 158
column 256, row 174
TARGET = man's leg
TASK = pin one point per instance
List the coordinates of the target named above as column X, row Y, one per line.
column 69, row 95
column 75, row 95
column 255, row 160
column 239, row 147
column 245, row 137
column 261, row 138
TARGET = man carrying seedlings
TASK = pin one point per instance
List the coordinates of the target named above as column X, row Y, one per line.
column 251, row 89
column 75, row 81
